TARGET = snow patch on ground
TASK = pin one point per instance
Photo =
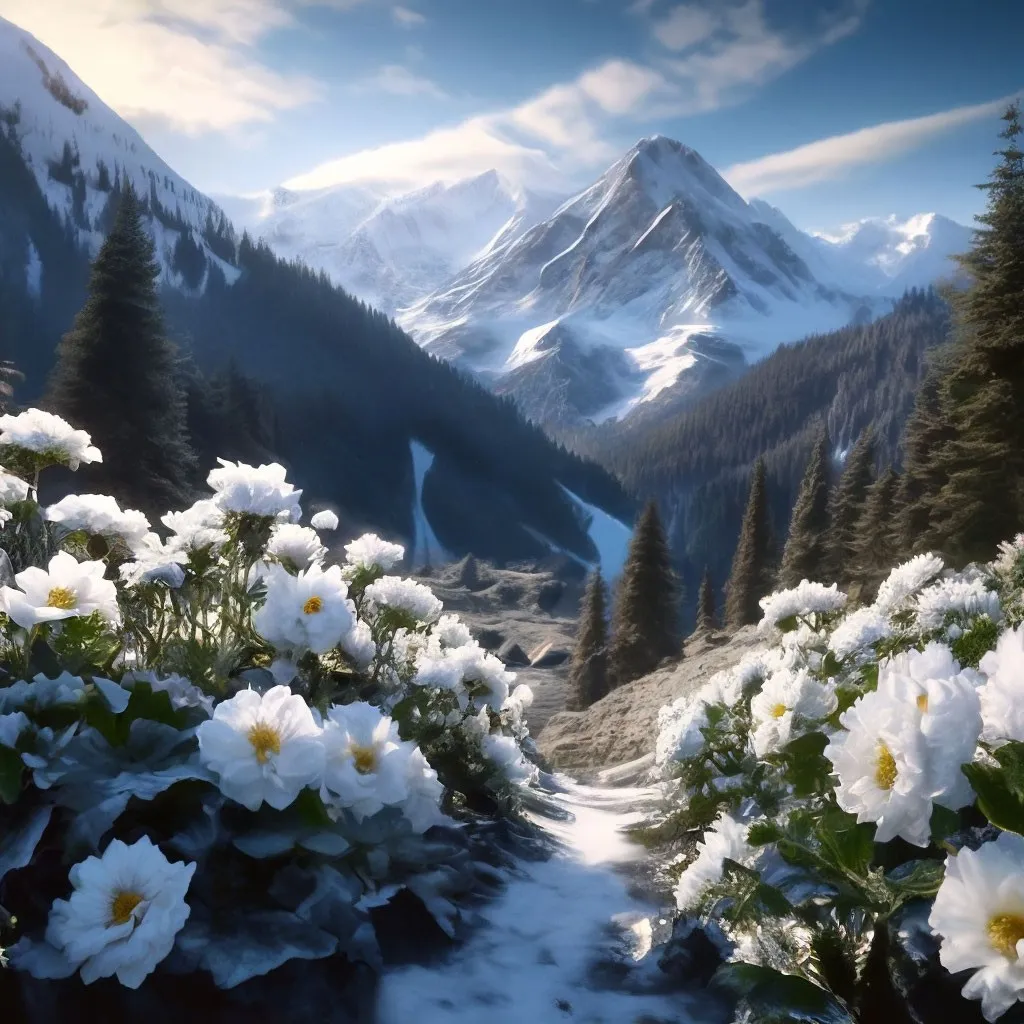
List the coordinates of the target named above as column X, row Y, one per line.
column 528, row 346
column 610, row 536
column 426, row 548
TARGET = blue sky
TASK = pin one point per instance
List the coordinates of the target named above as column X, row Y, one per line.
column 241, row 95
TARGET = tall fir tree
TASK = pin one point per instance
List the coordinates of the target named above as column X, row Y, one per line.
column 876, row 545
column 982, row 498
column 707, row 615
column 9, row 376
column 751, row 575
column 645, row 626
column 845, row 507
column 588, row 672
column 804, row 556
column 117, row 374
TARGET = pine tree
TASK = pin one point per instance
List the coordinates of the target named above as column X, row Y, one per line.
column 845, row 507
column 707, row 617
column 9, row 376
column 875, row 548
column 804, row 554
column 982, row 499
column 750, row 578
column 588, row 672
column 117, row 374
column 645, row 624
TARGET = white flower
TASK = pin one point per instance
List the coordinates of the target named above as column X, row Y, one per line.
column 200, row 526
column 11, row 727
column 905, row 581
column 367, row 763
column 882, row 763
column 369, row 551
column 49, row 436
column 858, row 631
column 482, row 674
column 308, row 612
column 725, row 840
column 784, row 700
column 325, row 520
column 42, row 692
column 180, row 691
column 155, row 562
column 257, row 491
column 1002, row 695
column 979, row 915
column 969, row 599
column 404, row 595
column 66, row 589
column 679, row 729
column 297, row 547
column 126, row 908
column 12, row 488
column 422, row 806
column 5, row 517
column 451, row 631
column 359, row 645
column 1010, row 552
column 263, row 748
column 504, row 752
column 98, row 514
column 806, row 599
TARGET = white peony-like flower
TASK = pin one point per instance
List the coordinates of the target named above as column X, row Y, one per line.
column 469, row 667
column 197, row 527
column 126, row 908
column 422, row 807
column 98, row 514
column 451, row 631
column 48, row 436
column 725, row 840
column 11, row 727
column 979, row 915
column 367, row 763
column 785, row 699
column 905, row 581
column 1002, row 695
column 370, row 551
column 12, row 488
column 258, row 491
column 297, row 547
column 359, row 645
column 968, row 599
column 403, row 595
column 155, row 562
column 66, row 589
column 263, row 748
column 806, row 599
column 325, row 520
column 859, row 631
column 308, row 612
column 505, row 752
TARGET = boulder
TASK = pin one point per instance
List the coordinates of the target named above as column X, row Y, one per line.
column 549, row 595
column 548, row 656
column 512, row 654
column 489, row 639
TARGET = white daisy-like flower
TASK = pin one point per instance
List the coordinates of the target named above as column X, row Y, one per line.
column 197, row 527
column 126, row 908
column 482, row 674
column 155, row 562
column 263, row 748
column 806, row 599
column 905, row 581
column 48, row 436
column 367, row 762
column 370, row 551
column 296, row 547
column 259, row 491
column 506, row 753
column 882, row 764
column 725, row 840
column 958, row 598
column 979, row 915
column 1002, row 695
column 100, row 515
column 181, row 692
column 858, row 631
column 66, row 589
column 12, row 488
column 451, row 631
column 404, row 595
column 786, row 700
column 11, row 727
column 308, row 612
column 325, row 520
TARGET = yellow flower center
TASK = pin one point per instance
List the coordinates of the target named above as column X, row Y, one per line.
column 313, row 606
column 779, row 710
column 922, row 702
column 365, row 759
column 265, row 740
column 61, row 597
column 1004, row 932
column 885, row 768
column 123, row 906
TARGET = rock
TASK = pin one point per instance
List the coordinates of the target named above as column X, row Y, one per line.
column 469, row 573
column 512, row 654
column 549, row 595
column 489, row 639
column 548, row 656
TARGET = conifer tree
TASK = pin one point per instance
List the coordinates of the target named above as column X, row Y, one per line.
column 875, row 549
column 117, row 374
column 845, row 507
column 707, row 617
column 750, row 578
column 9, row 376
column 588, row 672
column 645, row 625
column 803, row 557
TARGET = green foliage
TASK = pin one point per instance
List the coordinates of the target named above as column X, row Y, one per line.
column 805, row 548
column 845, row 510
column 588, row 671
column 707, row 617
column 750, row 577
column 873, row 547
column 972, row 646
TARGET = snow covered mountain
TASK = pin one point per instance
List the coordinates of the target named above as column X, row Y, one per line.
column 392, row 250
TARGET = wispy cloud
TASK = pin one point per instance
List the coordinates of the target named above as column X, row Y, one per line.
column 407, row 17
column 396, row 80
column 830, row 158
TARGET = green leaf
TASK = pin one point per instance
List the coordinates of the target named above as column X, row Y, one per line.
column 145, row 702
column 847, row 843
column 1011, row 758
column 919, row 879
column 767, row 991
column 806, row 766
column 11, row 771
column 788, row 624
column 996, row 800
column 944, row 822
column 761, row 833
column 310, row 809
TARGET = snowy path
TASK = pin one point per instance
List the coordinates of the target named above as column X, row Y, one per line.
column 556, row 921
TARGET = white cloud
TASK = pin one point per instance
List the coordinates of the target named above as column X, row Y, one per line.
column 829, row 158
column 397, row 80
column 685, row 26
column 406, row 17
